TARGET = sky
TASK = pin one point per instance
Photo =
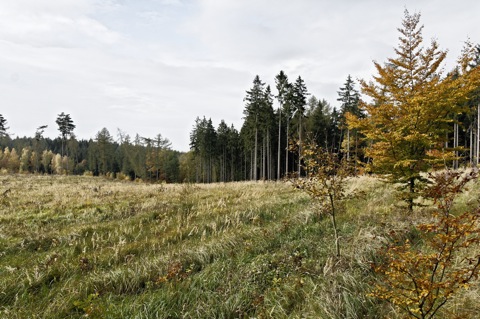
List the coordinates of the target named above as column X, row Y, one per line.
column 152, row 66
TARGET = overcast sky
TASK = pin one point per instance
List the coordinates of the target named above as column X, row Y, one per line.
column 153, row 66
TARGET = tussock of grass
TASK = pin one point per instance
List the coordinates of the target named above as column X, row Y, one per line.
column 77, row 246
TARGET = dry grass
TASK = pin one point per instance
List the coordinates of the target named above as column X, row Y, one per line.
column 77, row 246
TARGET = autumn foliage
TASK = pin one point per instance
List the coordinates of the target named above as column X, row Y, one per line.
column 419, row 278
column 324, row 182
column 412, row 108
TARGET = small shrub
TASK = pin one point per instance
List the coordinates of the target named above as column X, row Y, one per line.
column 325, row 183
column 420, row 280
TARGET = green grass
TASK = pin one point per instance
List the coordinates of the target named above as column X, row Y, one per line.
column 72, row 247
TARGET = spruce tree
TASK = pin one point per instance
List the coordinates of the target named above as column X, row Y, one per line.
column 349, row 98
column 282, row 85
column 299, row 97
column 255, row 101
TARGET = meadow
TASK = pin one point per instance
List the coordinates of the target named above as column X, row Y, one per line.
column 76, row 247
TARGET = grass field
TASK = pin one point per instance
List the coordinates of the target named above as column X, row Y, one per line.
column 75, row 247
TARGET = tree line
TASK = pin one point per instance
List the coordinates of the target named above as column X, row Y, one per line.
column 263, row 149
column 149, row 159
column 411, row 117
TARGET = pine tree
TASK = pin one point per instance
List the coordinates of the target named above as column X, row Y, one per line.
column 66, row 127
column 3, row 126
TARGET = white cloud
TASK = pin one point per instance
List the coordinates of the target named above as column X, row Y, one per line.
column 52, row 24
column 152, row 66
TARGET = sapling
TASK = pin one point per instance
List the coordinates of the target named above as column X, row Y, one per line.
column 325, row 181
column 421, row 278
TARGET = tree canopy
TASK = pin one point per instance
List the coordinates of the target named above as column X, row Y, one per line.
column 410, row 108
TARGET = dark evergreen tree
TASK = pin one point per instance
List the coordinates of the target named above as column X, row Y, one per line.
column 267, row 124
column 255, row 102
column 222, row 149
column 38, row 147
column 170, row 166
column 299, row 99
column 283, row 86
column 334, row 131
column 3, row 126
column 349, row 98
column 65, row 126
column 203, row 142
column 104, row 152
column 319, row 122
column 234, row 150
column 157, row 149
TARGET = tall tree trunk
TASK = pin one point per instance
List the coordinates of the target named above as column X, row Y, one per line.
column 198, row 165
column 340, row 140
column 264, row 157
column 411, row 184
column 66, row 172
column 348, row 144
column 477, row 139
column 279, row 140
column 251, row 164
column 269, row 156
column 300, row 147
column 471, row 145
column 356, row 153
column 255, row 155
column 232, row 170
column 245, row 174
column 286, row 149
column 455, row 144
